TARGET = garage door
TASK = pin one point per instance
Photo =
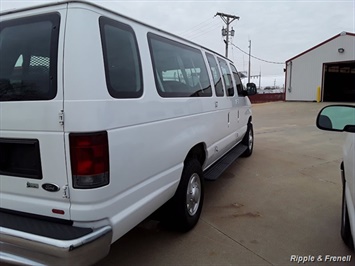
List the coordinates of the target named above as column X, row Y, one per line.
column 339, row 82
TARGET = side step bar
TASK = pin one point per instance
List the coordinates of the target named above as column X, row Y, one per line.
column 213, row 172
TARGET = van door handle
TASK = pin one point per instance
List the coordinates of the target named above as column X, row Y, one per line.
column 228, row 119
column 216, row 104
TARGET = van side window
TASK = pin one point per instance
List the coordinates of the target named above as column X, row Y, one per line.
column 28, row 58
column 226, row 76
column 121, row 58
column 179, row 70
column 237, row 80
column 218, row 85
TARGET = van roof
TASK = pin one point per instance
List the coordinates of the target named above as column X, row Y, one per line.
column 111, row 11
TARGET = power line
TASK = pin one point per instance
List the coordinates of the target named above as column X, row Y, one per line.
column 266, row 61
column 198, row 27
column 201, row 29
column 207, row 30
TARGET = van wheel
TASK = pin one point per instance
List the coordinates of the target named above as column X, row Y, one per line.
column 345, row 223
column 248, row 141
column 186, row 205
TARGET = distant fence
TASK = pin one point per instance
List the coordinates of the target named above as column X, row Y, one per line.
column 267, row 97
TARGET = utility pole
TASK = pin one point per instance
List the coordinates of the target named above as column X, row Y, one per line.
column 228, row 19
column 249, row 61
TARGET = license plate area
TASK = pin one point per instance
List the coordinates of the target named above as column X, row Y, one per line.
column 20, row 158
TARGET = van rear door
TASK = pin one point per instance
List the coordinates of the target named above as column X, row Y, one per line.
column 33, row 172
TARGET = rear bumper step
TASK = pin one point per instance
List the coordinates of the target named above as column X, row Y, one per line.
column 213, row 172
column 50, row 243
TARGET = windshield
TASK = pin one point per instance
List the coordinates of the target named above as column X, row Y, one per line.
column 28, row 58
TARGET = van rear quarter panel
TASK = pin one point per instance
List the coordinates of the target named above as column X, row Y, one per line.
column 149, row 137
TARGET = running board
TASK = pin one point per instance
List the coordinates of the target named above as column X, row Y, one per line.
column 213, row 172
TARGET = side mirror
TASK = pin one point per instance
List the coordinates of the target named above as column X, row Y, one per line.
column 251, row 89
column 337, row 118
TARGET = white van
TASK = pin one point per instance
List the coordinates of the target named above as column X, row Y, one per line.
column 103, row 120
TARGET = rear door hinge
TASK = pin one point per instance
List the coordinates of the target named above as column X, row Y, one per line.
column 61, row 117
column 66, row 192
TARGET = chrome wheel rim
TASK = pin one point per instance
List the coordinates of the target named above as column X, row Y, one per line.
column 250, row 140
column 193, row 194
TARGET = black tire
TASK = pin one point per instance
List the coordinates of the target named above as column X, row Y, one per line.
column 248, row 141
column 345, row 223
column 184, row 209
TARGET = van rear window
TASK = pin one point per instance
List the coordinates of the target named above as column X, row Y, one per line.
column 28, row 52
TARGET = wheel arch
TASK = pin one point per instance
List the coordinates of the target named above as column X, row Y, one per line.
column 197, row 152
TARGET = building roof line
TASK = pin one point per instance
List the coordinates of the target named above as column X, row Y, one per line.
column 320, row 44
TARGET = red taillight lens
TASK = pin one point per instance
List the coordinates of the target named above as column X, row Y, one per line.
column 89, row 159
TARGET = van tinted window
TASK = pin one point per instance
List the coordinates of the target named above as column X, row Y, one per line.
column 121, row 59
column 28, row 58
column 218, row 85
column 226, row 77
column 237, row 80
column 179, row 70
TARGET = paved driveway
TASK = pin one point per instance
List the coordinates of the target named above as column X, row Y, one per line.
column 282, row 202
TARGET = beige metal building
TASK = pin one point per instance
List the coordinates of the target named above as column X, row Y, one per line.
column 329, row 65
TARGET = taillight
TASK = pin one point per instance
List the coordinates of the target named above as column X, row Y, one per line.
column 89, row 159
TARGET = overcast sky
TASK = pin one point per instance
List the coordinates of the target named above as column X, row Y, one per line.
column 278, row 30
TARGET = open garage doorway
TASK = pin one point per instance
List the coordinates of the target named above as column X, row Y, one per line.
column 339, row 82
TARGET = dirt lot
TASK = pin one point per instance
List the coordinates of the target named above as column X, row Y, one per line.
column 283, row 201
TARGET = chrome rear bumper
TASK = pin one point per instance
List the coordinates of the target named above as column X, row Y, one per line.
column 21, row 248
